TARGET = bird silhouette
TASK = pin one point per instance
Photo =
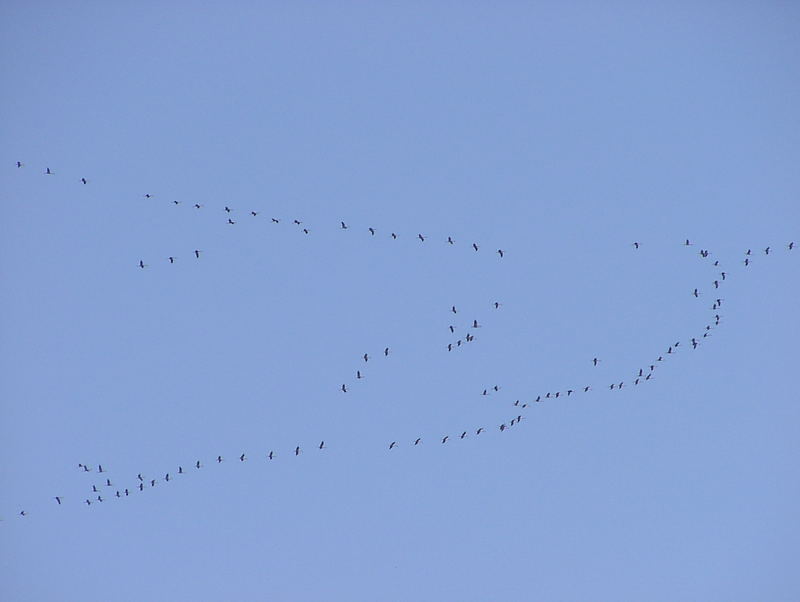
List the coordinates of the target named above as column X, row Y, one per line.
column 500, row 252
column 271, row 455
column 322, row 444
column 386, row 352
column 58, row 499
column 48, row 172
column 242, row 458
column 371, row 231
column 417, row 441
column 475, row 246
column 393, row 444
column 197, row 253
column 84, row 181
column 422, row 238
column 344, row 388
column 297, row 451
column 445, row 438
column 344, row 226
column 450, row 240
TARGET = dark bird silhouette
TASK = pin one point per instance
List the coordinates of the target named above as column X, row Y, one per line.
column 586, row 389
column 344, row 388
column 139, row 476
column 464, row 434
column 95, row 489
column 297, row 451
column 58, row 499
column 254, row 213
column 393, row 444
column 422, row 238
column 142, row 264
column 366, row 357
column 503, row 427
column 197, row 205
column 48, row 172
column 231, row 222
column 180, row 469
column 100, row 468
column 227, row 209
column 276, row 221
column 176, row 202
column 445, row 438
column 171, row 259
column 636, row 244
column 475, row 246
column 479, row 431
column 126, row 492
column 219, row 459
column 197, row 253
column 723, row 275
column 118, row 494
column 141, row 486
column 454, row 310
column 500, row 252
column 450, row 240
column 394, row 236
column 19, row 164
column 84, row 180
column 746, row 261
column 148, row 196
column 242, row 458
column 358, row 374
column 449, row 346
column 595, row 361
column 271, row 455
column 322, row 445
column 305, row 230
column 417, row 442
column 99, row 498
column 152, row 482
column 687, row 243
column 695, row 293
column 88, row 502
column 371, row 231
column 452, row 328
column 475, row 324
column 791, row 245
column 298, row 222
column 108, row 482
column 344, row 226
column 497, row 305
column 386, row 352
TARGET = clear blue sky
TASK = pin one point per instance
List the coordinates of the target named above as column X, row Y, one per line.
column 558, row 132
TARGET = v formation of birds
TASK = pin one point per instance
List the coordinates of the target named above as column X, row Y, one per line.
column 104, row 488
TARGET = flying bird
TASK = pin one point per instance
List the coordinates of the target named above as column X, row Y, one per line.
column 84, row 180
column 450, row 240
column 371, row 231
column 58, row 499
column 297, row 451
column 344, row 388
column 392, row 444
column 48, row 172
column 422, row 238
column 500, row 252
column 475, row 246
column 445, row 438
column 197, row 253
column 386, row 352
column 322, row 445
column 418, row 441
column 242, row 458
column 344, row 226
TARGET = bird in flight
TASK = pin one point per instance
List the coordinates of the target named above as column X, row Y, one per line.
column 371, row 231
column 475, row 246
column 297, row 451
column 418, row 440
column 500, row 252
column 58, row 499
column 171, row 259
column 479, row 431
column 344, row 388
column 231, row 222
column 344, row 226
column 276, row 221
column 445, row 438
column 322, row 445
column 84, row 180
column 386, row 352
column 358, row 374
column 271, row 455
column 47, row 172
column 20, row 164
column 197, row 253
column 450, row 240
column 636, row 245
column 242, row 458
column 422, row 238
column 595, row 361
column 142, row 264
column 366, row 357
column 394, row 236
column 197, row 464
column 393, row 444
column 219, row 459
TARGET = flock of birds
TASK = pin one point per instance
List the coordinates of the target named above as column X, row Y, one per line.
column 100, row 491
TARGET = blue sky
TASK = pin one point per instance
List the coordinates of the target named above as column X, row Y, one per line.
column 559, row 133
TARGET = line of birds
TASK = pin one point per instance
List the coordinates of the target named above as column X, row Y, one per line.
column 640, row 377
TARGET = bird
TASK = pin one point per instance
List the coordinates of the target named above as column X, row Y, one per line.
column 88, row 502
column 595, row 361
column 242, row 458
column 219, row 459
column 139, row 476
column 454, row 310
column 450, row 240
column 305, row 230
column 180, row 469
column 231, row 222
column 108, row 482
column 152, row 482
column 48, row 172
column 417, row 442
column 766, row 251
column 497, row 305
column 58, row 499
column 503, row 427
column 148, row 196
column 636, row 245
column 99, row 498
column 228, row 209
column 322, row 444
column 475, row 246
column 142, row 264
column 422, row 238
column 197, row 253
column 475, row 324
column 95, row 489
column 344, row 226
column 20, row 164
column 141, row 486
column 746, row 261
column 452, row 328
column 298, row 222
column 371, row 231
column 445, row 438
column 695, row 293
column 276, row 221
column 479, row 431
column 126, row 492
column 84, row 180
column 449, row 346
column 394, row 236
column 358, row 374
column 791, row 245
column 496, row 387
column 687, row 243
column 197, row 464
column 100, row 468
column 254, row 213
column 386, row 352
column 297, row 451
column 118, row 494
column 393, row 444
column 500, row 252
column 176, row 202
column 271, row 455
column 197, row 205
column 171, row 259
column 723, row 274
column 344, row 388
column 464, row 434
column 366, row 357
column 586, row 389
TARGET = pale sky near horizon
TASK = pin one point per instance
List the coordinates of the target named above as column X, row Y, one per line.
column 561, row 133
